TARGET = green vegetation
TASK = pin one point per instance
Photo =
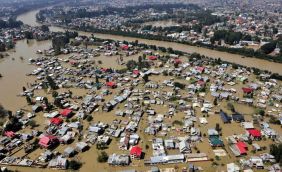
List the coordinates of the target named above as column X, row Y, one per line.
column 269, row 47
column 276, row 151
column 260, row 112
column 101, row 146
column 32, row 124
column 229, row 37
column 230, row 106
column 74, row 165
column 89, row 118
column 10, row 23
column 51, row 83
column 179, row 85
column 177, row 122
column 102, row 157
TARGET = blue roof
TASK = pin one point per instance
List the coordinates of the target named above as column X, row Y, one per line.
column 225, row 118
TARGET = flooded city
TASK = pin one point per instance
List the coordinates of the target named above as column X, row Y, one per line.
column 85, row 101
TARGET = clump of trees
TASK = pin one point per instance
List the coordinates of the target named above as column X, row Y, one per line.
column 74, row 165
column 179, row 85
column 10, row 23
column 276, row 151
column 231, row 107
column 51, row 83
column 102, row 157
column 177, row 122
column 229, row 37
column 3, row 112
column 268, row 47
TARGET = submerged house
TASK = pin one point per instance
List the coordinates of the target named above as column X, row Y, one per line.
column 254, row 134
column 136, row 152
column 118, row 160
column 66, row 113
column 238, row 117
column 48, row 141
column 214, row 138
column 225, row 118
column 167, row 159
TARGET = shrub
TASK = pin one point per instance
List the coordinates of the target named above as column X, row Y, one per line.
column 177, row 122
column 102, row 157
column 74, row 165
column 89, row 118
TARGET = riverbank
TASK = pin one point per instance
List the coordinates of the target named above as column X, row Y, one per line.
column 29, row 18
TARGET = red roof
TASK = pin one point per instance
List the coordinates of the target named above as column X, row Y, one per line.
column 66, row 112
column 47, row 140
column 200, row 69
column 125, row 47
column 177, row 61
column 153, row 57
column 242, row 147
column 10, row 134
column 247, row 90
column 136, row 72
column 201, row 82
column 72, row 62
column 111, row 84
column 254, row 132
column 104, row 69
column 56, row 121
column 136, row 150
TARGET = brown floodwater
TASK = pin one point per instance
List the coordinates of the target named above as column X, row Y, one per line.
column 14, row 70
column 29, row 18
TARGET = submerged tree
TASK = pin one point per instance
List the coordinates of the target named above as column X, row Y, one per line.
column 51, row 82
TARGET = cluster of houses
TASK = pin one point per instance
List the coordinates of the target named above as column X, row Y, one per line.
column 173, row 119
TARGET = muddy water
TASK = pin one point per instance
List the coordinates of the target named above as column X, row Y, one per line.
column 14, row 72
column 29, row 18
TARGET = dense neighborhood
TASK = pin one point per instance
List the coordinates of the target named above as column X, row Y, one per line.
column 73, row 100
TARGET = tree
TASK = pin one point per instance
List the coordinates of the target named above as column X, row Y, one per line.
column 131, row 64
column 215, row 102
column 89, row 118
column 45, row 28
column 276, row 151
column 217, row 127
column 177, row 122
column 97, row 79
column 32, row 124
column 28, row 100
column 102, row 157
column 55, row 94
column 179, row 85
column 146, row 78
column 74, row 165
column 51, row 83
column 268, row 47
column 140, row 59
column 230, row 106
column 274, row 30
column 3, row 112
column 261, row 112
